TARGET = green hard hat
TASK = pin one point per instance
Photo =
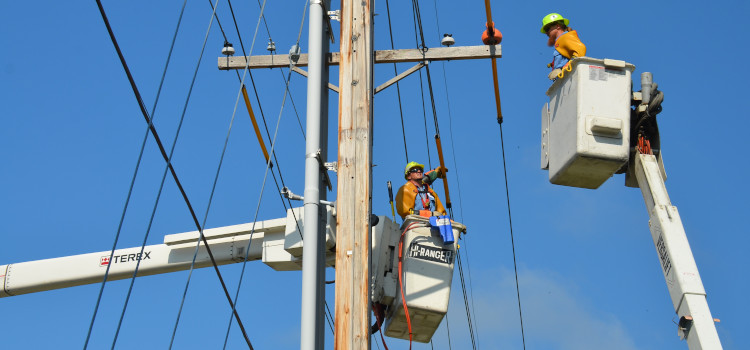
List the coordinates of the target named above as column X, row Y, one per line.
column 410, row 166
column 552, row 18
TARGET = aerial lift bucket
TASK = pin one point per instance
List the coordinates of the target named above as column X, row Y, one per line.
column 586, row 124
column 427, row 272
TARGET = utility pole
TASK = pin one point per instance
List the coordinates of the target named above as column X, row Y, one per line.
column 354, row 204
column 316, row 151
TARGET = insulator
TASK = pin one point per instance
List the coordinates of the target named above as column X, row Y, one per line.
column 447, row 40
column 228, row 50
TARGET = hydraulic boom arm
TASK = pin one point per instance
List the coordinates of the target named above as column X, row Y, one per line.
column 278, row 242
column 678, row 265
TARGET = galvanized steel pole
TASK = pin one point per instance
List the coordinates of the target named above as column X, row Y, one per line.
column 313, row 250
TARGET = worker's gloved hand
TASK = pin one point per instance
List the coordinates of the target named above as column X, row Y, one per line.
column 554, row 73
column 437, row 213
column 441, row 171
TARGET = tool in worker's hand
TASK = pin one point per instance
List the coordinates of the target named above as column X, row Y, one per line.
column 390, row 198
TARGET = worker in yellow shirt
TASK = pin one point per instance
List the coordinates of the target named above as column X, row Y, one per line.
column 565, row 40
column 416, row 196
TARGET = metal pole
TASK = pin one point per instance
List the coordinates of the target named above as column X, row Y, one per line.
column 313, row 250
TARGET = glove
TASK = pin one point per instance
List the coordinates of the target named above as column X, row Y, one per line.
column 442, row 172
column 554, row 73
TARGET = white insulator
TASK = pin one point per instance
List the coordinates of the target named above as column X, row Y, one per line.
column 271, row 46
column 447, row 40
column 228, row 50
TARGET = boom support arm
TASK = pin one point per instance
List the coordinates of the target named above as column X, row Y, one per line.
column 278, row 242
column 678, row 265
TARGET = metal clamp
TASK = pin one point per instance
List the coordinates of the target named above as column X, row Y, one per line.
column 295, row 197
column 323, row 170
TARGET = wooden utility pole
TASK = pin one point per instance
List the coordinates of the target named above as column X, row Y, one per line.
column 354, row 204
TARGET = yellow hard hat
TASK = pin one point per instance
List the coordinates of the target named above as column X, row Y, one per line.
column 410, row 166
column 552, row 18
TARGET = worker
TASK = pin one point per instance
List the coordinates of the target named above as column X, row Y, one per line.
column 416, row 196
column 565, row 40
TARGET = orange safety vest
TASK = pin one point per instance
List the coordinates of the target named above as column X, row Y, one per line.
column 406, row 196
column 569, row 45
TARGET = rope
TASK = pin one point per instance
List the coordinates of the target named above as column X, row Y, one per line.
column 137, row 166
column 512, row 242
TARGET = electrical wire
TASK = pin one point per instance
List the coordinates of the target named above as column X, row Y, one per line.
column 328, row 314
column 166, row 157
column 421, row 91
column 205, row 218
column 458, row 178
column 448, row 329
column 137, row 167
column 418, row 21
column 398, row 88
column 466, row 302
column 294, row 106
column 273, row 144
column 260, row 106
column 512, row 242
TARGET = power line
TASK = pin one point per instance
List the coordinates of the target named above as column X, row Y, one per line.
column 512, row 243
column 398, row 88
column 138, row 163
column 257, row 98
column 328, row 314
column 466, row 302
column 421, row 89
column 161, row 146
column 418, row 21
column 458, row 179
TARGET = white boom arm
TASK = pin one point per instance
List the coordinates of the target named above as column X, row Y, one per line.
column 677, row 262
column 278, row 242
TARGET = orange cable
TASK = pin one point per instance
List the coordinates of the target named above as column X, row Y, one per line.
column 400, row 279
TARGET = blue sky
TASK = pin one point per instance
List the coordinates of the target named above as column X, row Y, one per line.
column 589, row 275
